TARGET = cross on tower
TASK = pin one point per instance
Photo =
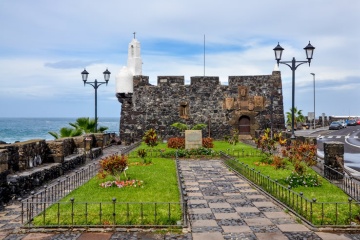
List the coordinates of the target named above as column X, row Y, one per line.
column 134, row 34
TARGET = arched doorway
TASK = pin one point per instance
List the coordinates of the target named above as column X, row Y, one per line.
column 244, row 125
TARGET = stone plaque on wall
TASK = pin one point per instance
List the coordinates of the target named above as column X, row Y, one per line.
column 193, row 139
column 244, row 104
column 259, row 102
column 243, row 92
column 229, row 103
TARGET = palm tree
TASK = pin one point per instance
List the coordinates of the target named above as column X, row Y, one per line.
column 298, row 117
column 82, row 125
column 87, row 125
column 66, row 132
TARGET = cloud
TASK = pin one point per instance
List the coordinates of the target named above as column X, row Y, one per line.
column 45, row 45
column 67, row 64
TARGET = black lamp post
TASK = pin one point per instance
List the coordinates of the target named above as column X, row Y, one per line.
column 309, row 50
column 95, row 85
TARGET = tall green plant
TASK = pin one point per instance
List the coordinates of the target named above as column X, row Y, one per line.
column 298, row 117
column 82, row 125
column 150, row 138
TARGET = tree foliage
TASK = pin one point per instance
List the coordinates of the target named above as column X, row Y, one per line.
column 81, row 126
column 298, row 117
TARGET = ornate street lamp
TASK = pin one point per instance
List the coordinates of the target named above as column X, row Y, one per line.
column 95, row 85
column 293, row 64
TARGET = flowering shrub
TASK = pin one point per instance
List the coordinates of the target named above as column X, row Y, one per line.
column 177, row 143
column 120, row 184
column 113, row 165
column 269, row 145
column 150, row 138
column 306, row 180
column 207, row 143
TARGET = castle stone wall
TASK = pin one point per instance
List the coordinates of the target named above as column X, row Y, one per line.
column 205, row 100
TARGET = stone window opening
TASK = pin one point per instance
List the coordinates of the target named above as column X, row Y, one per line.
column 184, row 110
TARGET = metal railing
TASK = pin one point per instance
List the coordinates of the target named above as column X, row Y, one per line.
column 231, row 152
column 313, row 212
column 43, row 209
column 343, row 179
column 112, row 213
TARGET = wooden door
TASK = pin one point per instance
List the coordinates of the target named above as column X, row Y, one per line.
column 244, row 125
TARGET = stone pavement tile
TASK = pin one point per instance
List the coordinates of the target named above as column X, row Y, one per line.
column 192, row 188
column 226, row 216
column 248, row 190
column 219, row 205
column 213, row 197
column 194, row 194
column 231, row 194
column 294, row 227
column 38, row 236
column 191, row 183
column 207, row 236
column 95, row 236
column 276, row 215
column 200, row 210
column 255, row 196
column 264, row 204
column 197, row 201
column 271, row 236
column 13, row 206
column 9, row 217
column 236, row 229
column 235, row 200
column 205, row 181
column 257, row 221
column 241, row 185
column 204, row 223
column 332, row 236
column 246, row 209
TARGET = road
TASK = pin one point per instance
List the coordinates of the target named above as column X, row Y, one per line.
column 350, row 136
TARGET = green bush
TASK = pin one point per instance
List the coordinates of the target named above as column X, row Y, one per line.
column 306, row 180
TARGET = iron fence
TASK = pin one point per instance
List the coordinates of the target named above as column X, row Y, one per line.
column 343, row 179
column 176, row 153
column 112, row 213
column 43, row 209
column 315, row 213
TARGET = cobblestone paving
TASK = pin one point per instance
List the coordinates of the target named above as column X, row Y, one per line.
column 224, row 206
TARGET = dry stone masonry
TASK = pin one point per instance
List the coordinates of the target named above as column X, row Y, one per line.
column 244, row 104
column 27, row 165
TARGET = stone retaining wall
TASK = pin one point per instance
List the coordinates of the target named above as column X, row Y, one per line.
column 27, row 165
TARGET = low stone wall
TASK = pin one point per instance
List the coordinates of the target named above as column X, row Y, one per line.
column 27, row 165
column 24, row 182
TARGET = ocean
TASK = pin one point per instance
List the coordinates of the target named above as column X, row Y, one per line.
column 23, row 129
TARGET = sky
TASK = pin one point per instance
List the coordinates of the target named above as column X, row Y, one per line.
column 45, row 45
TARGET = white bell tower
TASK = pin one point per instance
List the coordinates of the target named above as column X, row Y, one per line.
column 124, row 79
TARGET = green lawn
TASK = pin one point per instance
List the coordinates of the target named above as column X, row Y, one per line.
column 160, row 185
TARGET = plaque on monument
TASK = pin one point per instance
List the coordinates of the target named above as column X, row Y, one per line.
column 259, row 102
column 229, row 103
column 244, row 104
column 193, row 139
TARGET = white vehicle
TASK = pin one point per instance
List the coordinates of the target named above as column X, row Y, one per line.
column 343, row 123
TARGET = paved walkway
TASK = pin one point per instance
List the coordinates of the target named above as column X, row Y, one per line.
column 221, row 206
column 224, row 206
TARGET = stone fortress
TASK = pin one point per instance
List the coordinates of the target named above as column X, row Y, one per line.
column 247, row 104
